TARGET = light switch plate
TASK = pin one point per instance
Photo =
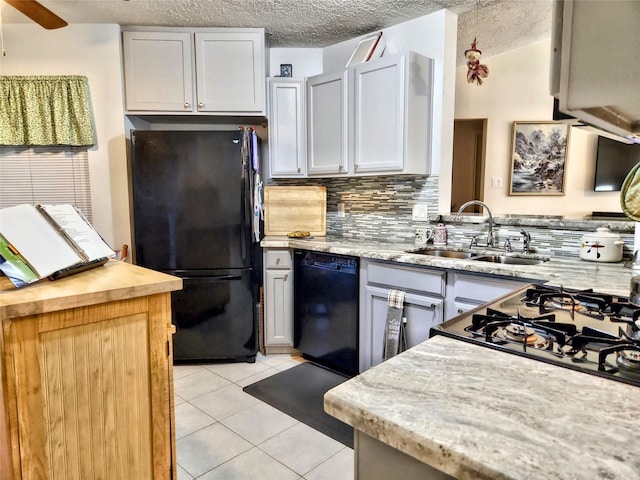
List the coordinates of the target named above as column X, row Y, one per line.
column 420, row 212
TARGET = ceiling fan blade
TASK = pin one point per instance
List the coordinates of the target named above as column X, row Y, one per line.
column 38, row 13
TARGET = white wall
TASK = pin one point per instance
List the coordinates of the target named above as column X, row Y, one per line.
column 306, row 62
column 517, row 89
column 93, row 51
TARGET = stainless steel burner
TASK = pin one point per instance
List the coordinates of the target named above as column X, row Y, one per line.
column 521, row 334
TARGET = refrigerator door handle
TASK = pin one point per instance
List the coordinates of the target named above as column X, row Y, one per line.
column 216, row 278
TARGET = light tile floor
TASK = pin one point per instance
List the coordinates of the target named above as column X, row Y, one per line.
column 223, row 433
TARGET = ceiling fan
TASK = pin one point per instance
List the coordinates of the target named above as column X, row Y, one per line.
column 38, row 13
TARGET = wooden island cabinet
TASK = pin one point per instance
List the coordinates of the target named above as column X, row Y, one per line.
column 86, row 377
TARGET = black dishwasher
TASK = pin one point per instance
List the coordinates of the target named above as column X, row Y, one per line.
column 326, row 309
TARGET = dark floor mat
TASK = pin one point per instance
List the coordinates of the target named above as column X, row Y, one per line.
column 299, row 392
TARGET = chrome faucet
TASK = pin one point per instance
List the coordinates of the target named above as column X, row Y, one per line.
column 490, row 239
column 526, row 241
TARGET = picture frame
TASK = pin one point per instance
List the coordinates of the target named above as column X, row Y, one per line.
column 286, row 70
column 366, row 50
column 539, row 158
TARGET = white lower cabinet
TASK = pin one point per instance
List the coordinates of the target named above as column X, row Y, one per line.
column 423, row 308
column 278, row 301
column 466, row 291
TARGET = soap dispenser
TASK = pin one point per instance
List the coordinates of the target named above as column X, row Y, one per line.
column 440, row 233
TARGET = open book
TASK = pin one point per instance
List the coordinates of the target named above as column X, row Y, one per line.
column 51, row 241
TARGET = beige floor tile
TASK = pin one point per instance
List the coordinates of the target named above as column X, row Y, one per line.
column 257, row 377
column 259, row 423
column 290, row 363
column 250, row 465
column 177, row 400
column 224, row 402
column 209, row 447
column 183, row 475
column 190, row 419
column 236, row 371
column 198, row 383
column 301, row 448
column 338, row 467
column 273, row 360
column 180, row 371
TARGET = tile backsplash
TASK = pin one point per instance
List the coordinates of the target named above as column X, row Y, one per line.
column 380, row 209
column 376, row 208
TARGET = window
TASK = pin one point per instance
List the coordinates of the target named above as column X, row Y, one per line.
column 52, row 174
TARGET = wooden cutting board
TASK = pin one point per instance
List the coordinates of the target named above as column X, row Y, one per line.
column 287, row 209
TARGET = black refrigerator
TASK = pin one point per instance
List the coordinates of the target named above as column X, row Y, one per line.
column 192, row 214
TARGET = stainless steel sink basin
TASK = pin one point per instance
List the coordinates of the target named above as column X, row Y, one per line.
column 507, row 260
column 434, row 252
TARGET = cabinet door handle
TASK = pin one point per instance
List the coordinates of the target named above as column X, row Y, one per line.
column 277, row 261
column 286, row 276
column 187, row 105
column 299, row 169
column 200, row 105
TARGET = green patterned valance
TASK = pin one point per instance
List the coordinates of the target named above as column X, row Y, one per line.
column 44, row 110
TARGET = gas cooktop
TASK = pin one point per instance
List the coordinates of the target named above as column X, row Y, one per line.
column 582, row 330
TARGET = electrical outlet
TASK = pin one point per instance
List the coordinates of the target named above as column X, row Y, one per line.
column 340, row 210
column 420, row 212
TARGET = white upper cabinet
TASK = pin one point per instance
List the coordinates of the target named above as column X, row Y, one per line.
column 205, row 71
column 230, row 71
column 287, row 127
column 327, row 125
column 158, row 73
column 391, row 105
column 375, row 118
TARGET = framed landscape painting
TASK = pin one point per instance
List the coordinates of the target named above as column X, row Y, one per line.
column 539, row 158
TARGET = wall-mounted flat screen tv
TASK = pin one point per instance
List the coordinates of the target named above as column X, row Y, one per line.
column 614, row 160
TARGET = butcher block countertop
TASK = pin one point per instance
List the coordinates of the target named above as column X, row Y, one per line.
column 113, row 281
column 476, row 413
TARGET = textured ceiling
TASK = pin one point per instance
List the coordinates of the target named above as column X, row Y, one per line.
column 499, row 24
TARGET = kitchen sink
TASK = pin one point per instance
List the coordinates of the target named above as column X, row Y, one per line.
column 508, row 260
column 434, row 252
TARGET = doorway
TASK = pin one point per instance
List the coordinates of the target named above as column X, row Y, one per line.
column 467, row 178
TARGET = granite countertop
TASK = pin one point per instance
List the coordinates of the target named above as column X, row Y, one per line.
column 570, row 272
column 476, row 413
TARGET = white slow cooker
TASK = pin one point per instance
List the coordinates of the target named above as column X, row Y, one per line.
column 601, row 246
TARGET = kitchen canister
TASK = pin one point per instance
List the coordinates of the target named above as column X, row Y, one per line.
column 601, row 246
column 440, row 234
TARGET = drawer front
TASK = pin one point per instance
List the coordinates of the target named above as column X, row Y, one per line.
column 403, row 278
column 483, row 289
column 278, row 259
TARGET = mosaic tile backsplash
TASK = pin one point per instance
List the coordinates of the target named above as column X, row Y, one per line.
column 380, row 209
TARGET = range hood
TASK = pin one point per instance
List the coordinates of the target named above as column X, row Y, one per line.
column 595, row 74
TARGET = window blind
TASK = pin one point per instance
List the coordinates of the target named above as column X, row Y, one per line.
column 49, row 175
